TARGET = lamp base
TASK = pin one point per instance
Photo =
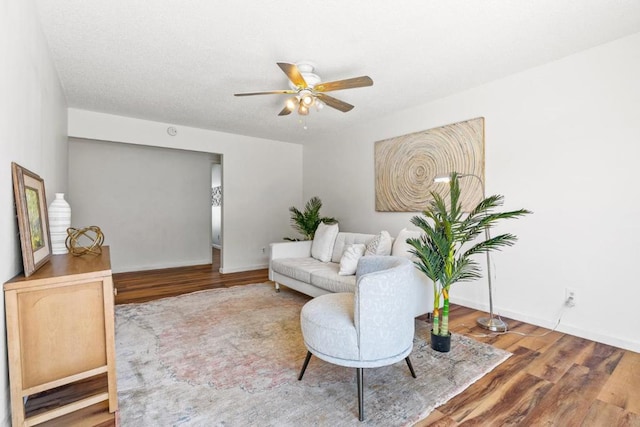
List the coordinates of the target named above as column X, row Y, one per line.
column 492, row 324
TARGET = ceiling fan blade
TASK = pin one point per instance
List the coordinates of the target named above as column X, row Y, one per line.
column 271, row 92
column 352, row 83
column 292, row 72
column 285, row 111
column 334, row 103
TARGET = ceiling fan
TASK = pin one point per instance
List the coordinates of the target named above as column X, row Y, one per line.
column 308, row 90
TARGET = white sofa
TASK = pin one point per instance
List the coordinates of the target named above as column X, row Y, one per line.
column 291, row 264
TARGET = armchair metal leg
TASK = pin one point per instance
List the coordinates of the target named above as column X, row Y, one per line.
column 413, row 373
column 360, row 380
column 360, row 393
column 304, row 365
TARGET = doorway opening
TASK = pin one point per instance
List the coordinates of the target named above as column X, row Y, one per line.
column 216, row 211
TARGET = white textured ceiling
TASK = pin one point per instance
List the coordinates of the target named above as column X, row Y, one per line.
column 180, row 62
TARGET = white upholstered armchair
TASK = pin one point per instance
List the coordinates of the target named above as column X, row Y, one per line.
column 373, row 327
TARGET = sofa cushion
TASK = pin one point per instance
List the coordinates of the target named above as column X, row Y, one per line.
column 297, row 268
column 345, row 238
column 323, row 241
column 400, row 245
column 329, row 279
column 350, row 257
column 380, row 245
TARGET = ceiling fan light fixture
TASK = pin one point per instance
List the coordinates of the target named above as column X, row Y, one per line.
column 306, row 98
column 291, row 103
column 303, row 110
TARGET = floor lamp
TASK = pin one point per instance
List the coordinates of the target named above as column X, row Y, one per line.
column 491, row 323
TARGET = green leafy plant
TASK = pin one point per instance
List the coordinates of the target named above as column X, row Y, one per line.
column 444, row 252
column 307, row 222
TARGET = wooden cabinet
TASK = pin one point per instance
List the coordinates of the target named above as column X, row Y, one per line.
column 60, row 331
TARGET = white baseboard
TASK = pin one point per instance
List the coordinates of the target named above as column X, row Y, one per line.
column 550, row 323
column 243, row 268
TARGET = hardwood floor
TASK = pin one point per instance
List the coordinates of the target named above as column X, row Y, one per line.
column 552, row 379
column 144, row 286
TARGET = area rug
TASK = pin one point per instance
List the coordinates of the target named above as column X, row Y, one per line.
column 231, row 357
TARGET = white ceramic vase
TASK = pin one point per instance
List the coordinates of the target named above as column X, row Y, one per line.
column 59, row 221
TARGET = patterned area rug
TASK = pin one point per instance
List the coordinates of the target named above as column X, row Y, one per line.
column 231, row 357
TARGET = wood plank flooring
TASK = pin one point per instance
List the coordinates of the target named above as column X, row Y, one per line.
column 552, row 379
column 148, row 285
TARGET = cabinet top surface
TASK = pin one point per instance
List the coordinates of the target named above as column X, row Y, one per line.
column 61, row 266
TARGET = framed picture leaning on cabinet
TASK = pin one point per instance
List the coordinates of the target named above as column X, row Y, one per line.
column 33, row 220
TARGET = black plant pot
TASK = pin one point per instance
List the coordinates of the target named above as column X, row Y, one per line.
column 440, row 343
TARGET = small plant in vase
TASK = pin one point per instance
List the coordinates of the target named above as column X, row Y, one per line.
column 446, row 249
column 307, row 222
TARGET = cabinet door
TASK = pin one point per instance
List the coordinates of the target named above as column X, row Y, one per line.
column 62, row 331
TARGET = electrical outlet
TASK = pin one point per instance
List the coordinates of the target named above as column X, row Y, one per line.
column 570, row 297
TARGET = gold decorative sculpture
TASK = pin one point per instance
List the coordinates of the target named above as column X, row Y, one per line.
column 93, row 234
column 406, row 166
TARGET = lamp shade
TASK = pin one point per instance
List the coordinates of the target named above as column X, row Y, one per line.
column 442, row 178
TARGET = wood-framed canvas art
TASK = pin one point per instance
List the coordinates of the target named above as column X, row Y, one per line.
column 33, row 219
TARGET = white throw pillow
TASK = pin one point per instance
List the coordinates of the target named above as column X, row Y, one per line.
column 400, row 245
column 380, row 245
column 323, row 240
column 350, row 257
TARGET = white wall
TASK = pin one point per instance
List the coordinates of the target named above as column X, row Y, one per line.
column 561, row 140
column 262, row 178
column 33, row 128
column 152, row 204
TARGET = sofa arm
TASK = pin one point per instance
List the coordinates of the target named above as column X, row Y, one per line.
column 300, row 249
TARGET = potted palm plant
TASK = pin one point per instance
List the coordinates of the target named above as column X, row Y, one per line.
column 307, row 222
column 446, row 249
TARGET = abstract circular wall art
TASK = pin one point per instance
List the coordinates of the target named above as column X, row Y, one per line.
column 405, row 166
